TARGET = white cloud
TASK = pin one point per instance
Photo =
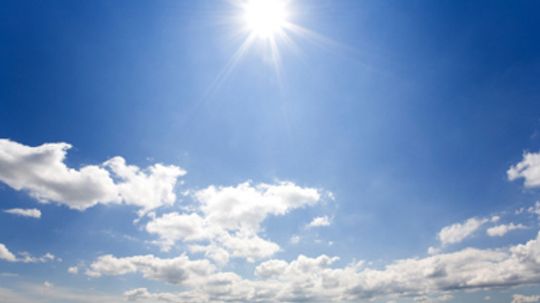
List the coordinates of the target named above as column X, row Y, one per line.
column 174, row 227
column 319, row 222
column 229, row 219
column 318, row 280
column 458, row 232
column 41, row 172
column 31, row 213
column 528, row 169
column 179, row 270
column 434, row 250
column 245, row 206
column 6, row 255
column 147, row 189
column 535, row 209
column 525, row 299
column 503, row 229
column 27, row 258
column 24, row 257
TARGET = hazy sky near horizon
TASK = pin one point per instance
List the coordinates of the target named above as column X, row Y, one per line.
column 269, row 151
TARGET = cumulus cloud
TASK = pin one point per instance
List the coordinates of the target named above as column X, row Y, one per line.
column 179, row 270
column 503, row 229
column 458, row 232
column 528, row 169
column 42, row 172
column 525, row 299
column 229, row 219
column 244, row 207
column 319, row 222
column 319, row 280
column 30, row 213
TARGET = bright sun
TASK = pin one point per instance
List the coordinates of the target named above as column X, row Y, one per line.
column 265, row 18
column 270, row 25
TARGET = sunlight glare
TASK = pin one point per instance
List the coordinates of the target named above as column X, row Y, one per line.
column 265, row 18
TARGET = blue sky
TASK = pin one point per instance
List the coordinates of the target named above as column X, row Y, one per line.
column 140, row 161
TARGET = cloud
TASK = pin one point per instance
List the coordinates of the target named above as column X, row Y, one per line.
column 245, row 206
column 42, row 172
column 535, row 209
column 73, row 270
column 30, row 213
column 24, row 257
column 525, row 299
column 319, row 280
column 458, row 232
column 503, row 229
column 229, row 219
column 319, row 222
column 6, row 255
column 27, row 258
column 528, row 169
column 180, row 270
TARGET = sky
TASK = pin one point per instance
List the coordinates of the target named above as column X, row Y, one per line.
column 269, row 151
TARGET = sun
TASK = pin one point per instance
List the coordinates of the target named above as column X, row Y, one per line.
column 269, row 25
column 265, row 18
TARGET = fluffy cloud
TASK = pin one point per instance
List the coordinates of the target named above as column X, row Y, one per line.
column 318, row 280
column 6, row 255
column 245, row 206
column 179, row 270
column 42, row 172
column 458, row 232
column 174, row 227
column 528, row 169
column 229, row 219
column 319, row 222
column 24, row 257
column 31, row 213
column 525, row 299
column 503, row 229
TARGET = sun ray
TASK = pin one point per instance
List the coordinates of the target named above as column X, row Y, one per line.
column 269, row 24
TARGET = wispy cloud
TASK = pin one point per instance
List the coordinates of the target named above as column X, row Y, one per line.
column 30, row 213
column 24, row 257
column 458, row 232
column 503, row 229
